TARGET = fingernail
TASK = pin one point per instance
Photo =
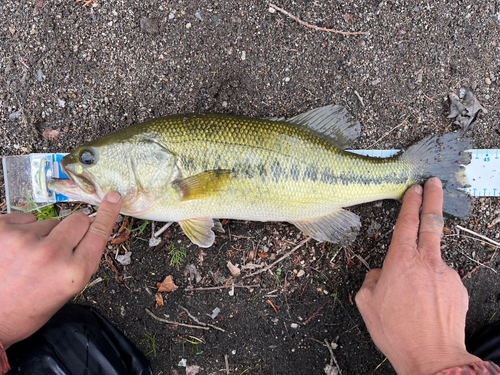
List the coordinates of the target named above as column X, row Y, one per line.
column 436, row 181
column 418, row 189
column 113, row 197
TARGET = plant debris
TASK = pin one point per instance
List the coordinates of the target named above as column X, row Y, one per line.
column 465, row 111
column 167, row 285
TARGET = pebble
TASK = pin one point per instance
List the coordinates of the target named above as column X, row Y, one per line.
column 224, row 104
column 243, row 55
column 188, row 25
column 294, row 325
column 39, row 75
column 149, row 25
column 171, row 16
column 272, row 10
column 61, row 103
column 198, row 15
column 487, row 80
column 15, row 115
column 301, row 273
column 287, row 79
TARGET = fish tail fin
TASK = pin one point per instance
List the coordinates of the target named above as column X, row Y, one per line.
column 445, row 158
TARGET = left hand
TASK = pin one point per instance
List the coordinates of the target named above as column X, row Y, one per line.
column 44, row 263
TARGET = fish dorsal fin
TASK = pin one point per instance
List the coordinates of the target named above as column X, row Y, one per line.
column 332, row 121
column 339, row 227
column 199, row 231
column 203, row 185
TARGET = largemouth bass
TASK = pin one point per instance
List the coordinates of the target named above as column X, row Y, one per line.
column 195, row 169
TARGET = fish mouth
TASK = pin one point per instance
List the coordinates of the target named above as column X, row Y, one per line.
column 82, row 182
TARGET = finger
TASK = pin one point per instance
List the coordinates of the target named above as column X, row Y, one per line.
column 431, row 221
column 89, row 251
column 19, row 218
column 371, row 279
column 42, row 228
column 406, row 230
column 70, row 231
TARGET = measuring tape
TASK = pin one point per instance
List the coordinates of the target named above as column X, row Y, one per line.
column 26, row 176
column 483, row 172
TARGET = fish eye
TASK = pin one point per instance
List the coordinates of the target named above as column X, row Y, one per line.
column 87, row 157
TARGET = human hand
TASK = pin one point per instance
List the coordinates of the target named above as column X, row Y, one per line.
column 415, row 306
column 44, row 263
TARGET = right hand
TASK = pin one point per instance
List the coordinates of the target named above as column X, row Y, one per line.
column 44, row 263
column 415, row 306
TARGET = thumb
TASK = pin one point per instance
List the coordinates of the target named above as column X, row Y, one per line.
column 89, row 251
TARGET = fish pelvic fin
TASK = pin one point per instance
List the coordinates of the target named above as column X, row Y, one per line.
column 339, row 227
column 199, row 231
column 332, row 122
column 445, row 158
column 203, row 185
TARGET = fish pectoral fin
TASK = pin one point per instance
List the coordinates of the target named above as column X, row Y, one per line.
column 199, row 231
column 203, row 185
column 339, row 227
column 331, row 121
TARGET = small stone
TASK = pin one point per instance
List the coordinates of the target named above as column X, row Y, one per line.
column 171, row 16
column 294, row 325
column 15, row 115
column 224, row 104
column 272, row 10
column 61, row 103
column 198, row 15
column 39, row 75
column 487, row 80
column 149, row 26
column 287, row 79
column 182, row 362
column 301, row 273
column 243, row 55
column 188, row 25
column 125, row 259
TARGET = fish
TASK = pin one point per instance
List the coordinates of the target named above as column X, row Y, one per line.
column 195, row 169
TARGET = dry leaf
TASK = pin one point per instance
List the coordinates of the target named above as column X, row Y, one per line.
column 193, row 369
column 235, row 271
column 167, row 285
column 51, row 134
column 159, row 300
column 262, row 255
column 124, row 236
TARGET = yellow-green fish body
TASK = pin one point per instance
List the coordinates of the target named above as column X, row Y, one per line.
column 195, row 168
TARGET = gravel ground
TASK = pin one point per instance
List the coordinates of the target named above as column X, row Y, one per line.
column 70, row 74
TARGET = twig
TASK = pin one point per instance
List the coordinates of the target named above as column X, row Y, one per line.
column 316, row 313
column 365, row 263
column 226, row 359
column 475, row 261
column 272, row 304
column 163, row 229
column 478, row 235
column 176, row 323
column 279, row 260
column 192, row 316
column 215, row 327
column 316, row 27
column 389, row 132
column 333, row 359
column 200, row 322
column 359, row 97
column 223, row 287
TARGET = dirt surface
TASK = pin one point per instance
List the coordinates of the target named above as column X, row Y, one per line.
column 70, row 74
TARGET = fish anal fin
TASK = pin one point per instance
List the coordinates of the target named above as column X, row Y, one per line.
column 199, row 231
column 339, row 227
column 203, row 185
column 331, row 121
